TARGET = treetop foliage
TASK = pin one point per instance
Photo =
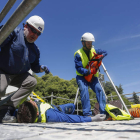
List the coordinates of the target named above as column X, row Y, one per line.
column 48, row 84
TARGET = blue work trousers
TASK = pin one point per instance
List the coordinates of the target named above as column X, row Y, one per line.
column 68, row 108
column 84, row 94
column 55, row 115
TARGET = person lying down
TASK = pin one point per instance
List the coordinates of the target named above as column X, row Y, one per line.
column 33, row 112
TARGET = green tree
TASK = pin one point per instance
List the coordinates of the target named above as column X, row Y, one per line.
column 48, row 84
column 108, row 87
column 120, row 89
column 136, row 98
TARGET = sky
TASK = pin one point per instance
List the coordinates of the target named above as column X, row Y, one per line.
column 115, row 25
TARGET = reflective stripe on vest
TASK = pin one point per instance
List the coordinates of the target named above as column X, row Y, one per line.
column 85, row 59
column 43, row 108
column 121, row 116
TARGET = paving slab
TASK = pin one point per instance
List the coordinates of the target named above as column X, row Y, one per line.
column 105, row 130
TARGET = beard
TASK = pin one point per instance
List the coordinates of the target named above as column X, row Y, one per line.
column 88, row 49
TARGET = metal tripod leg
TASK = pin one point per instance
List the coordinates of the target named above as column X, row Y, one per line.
column 115, row 89
column 76, row 96
column 102, row 89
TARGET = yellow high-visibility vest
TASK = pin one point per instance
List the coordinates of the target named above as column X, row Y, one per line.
column 43, row 108
column 85, row 59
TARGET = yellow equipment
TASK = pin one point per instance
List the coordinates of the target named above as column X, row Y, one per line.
column 135, row 106
column 34, row 96
column 135, row 110
column 116, row 113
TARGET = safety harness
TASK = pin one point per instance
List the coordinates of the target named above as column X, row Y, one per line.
column 42, row 107
column 94, row 64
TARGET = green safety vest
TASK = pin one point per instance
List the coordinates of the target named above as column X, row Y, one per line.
column 42, row 109
column 85, row 59
column 116, row 113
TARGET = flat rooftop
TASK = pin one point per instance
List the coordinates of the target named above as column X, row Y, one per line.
column 105, row 130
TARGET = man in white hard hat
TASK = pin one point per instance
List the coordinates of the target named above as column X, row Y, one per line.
column 81, row 59
column 19, row 54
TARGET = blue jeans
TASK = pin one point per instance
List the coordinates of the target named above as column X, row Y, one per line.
column 84, row 94
column 65, row 108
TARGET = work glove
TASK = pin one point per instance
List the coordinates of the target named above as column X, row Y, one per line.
column 45, row 68
column 93, row 70
column 98, row 117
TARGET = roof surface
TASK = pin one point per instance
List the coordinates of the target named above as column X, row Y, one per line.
column 106, row 130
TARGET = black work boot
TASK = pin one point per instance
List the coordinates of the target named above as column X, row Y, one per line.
column 6, row 115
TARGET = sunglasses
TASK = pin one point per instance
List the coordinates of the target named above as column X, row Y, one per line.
column 34, row 30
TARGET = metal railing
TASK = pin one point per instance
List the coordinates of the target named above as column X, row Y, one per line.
column 78, row 100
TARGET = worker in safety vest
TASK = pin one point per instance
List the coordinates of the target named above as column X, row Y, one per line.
column 81, row 59
column 31, row 111
column 19, row 54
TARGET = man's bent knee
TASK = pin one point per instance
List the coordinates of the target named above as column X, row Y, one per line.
column 33, row 82
column 30, row 83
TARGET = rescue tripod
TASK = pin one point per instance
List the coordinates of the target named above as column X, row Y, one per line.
column 104, row 90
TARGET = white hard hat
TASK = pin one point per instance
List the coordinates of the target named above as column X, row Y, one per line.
column 37, row 22
column 87, row 37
